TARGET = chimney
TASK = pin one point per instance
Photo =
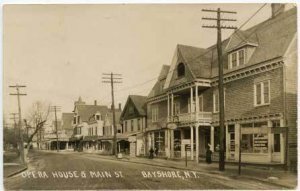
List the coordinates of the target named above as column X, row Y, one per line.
column 277, row 8
column 120, row 106
column 95, row 102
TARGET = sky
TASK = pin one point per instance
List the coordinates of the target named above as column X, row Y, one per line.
column 60, row 51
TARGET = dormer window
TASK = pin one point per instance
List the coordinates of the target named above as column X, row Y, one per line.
column 236, row 58
column 180, row 70
column 97, row 117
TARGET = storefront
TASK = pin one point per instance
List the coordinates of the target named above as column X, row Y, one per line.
column 261, row 142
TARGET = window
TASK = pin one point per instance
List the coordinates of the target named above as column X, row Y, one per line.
column 241, row 57
column 125, row 126
column 216, row 101
column 180, row 70
column 237, row 58
column 154, row 114
column 78, row 119
column 233, row 60
column 97, row 117
column 74, row 120
column 138, row 124
column 176, row 108
column 131, row 110
column 254, row 137
column 96, row 129
column 131, row 125
column 262, row 93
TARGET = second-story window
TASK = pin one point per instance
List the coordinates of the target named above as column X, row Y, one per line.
column 74, row 120
column 262, row 93
column 138, row 124
column 131, row 125
column 176, row 108
column 216, row 101
column 78, row 119
column 154, row 114
column 180, row 70
column 125, row 126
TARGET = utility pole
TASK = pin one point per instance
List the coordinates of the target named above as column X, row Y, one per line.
column 55, row 109
column 21, row 142
column 219, row 28
column 14, row 115
column 111, row 78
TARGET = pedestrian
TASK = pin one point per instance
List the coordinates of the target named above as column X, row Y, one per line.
column 208, row 155
column 151, row 151
column 156, row 151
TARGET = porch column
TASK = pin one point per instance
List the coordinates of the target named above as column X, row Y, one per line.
column 181, row 143
column 197, row 143
column 212, row 138
column 197, row 103
column 172, row 143
column 270, row 144
column 168, row 107
column 192, row 142
column 67, row 145
column 167, row 143
column 172, row 104
column 191, row 101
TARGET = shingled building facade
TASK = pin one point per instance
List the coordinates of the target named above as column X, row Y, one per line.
column 260, row 88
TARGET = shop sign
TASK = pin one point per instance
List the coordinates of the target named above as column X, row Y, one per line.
column 278, row 130
column 188, row 147
column 172, row 126
column 132, row 139
column 261, row 142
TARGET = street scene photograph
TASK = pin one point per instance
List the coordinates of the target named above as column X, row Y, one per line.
column 150, row 96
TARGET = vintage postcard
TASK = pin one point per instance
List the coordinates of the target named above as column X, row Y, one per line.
column 150, row 96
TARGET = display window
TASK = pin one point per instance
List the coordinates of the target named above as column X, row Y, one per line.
column 254, row 138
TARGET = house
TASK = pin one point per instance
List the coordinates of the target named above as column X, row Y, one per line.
column 93, row 127
column 133, row 119
column 260, row 88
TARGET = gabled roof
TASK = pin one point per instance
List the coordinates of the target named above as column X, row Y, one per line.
column 197, row 59
column 87, row 111
column 157, row 88
column 67, row 119
column 139, row 103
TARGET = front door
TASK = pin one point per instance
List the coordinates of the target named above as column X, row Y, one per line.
column 277, row 141
column 231, row 145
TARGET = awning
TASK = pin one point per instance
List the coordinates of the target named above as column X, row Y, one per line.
column 76, row 138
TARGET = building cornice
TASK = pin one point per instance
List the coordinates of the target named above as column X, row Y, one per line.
column 250, row 71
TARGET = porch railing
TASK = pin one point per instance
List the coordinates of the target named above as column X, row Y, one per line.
column 191, row 117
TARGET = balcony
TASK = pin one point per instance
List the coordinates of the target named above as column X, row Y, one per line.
column 187, row 118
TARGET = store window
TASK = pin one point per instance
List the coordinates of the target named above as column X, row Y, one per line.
column 254, row 138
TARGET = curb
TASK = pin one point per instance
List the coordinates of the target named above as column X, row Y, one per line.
column 17, row 172
column 220, row 175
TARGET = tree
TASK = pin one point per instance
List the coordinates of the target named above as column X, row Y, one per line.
column 36, row 119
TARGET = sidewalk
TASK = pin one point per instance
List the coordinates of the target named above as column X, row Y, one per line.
column 11, row 165
column 272, row 176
